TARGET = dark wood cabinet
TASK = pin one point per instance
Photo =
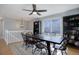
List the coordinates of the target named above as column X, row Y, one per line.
column 37, row 27
column 71, row 29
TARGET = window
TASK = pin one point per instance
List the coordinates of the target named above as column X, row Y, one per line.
column 56, row 26
column 52, row 26
column 47, row 26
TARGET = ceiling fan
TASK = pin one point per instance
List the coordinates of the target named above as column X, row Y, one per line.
column 34, row 10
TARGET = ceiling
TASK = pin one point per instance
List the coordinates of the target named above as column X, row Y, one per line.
column 15, row 10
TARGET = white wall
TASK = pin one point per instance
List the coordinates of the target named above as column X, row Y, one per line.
column 14, row 26
column 60, row 15
column 1, row 28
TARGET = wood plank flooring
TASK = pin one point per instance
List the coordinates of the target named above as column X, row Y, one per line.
column 5, row 50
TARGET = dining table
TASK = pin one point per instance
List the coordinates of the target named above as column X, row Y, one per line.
column 48, row 38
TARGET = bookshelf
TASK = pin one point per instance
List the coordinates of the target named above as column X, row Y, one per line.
column 71, row 29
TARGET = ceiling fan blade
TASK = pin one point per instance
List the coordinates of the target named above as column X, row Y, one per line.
column 31, row 13
column 34, row 6
column 26, row 10
column 41, row 10
column 38, row 13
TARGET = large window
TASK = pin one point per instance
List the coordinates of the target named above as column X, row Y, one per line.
column 52, row 26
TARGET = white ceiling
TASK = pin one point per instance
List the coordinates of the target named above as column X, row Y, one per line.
column 15, row 10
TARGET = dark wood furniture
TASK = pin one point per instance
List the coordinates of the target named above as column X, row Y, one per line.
column 71, row 29
column 37, row 27
column 28, row 42
column 48, row 39
column 25, row 41
column 37, row 44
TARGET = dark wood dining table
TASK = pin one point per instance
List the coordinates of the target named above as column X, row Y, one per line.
column 49, row 38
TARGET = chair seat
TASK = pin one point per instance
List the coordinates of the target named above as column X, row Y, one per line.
column 40, row 46
column 59, row 47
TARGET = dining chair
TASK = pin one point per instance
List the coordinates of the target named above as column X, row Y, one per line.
column 40, row 48
column 62, row 47
column 31, row 41
column 25, row 41
column 28, row 41
column 36, row 44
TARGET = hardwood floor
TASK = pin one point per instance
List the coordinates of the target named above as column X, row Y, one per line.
column 73, row 51
column 5, row 50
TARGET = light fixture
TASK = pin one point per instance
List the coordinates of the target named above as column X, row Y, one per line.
column 34, row 13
